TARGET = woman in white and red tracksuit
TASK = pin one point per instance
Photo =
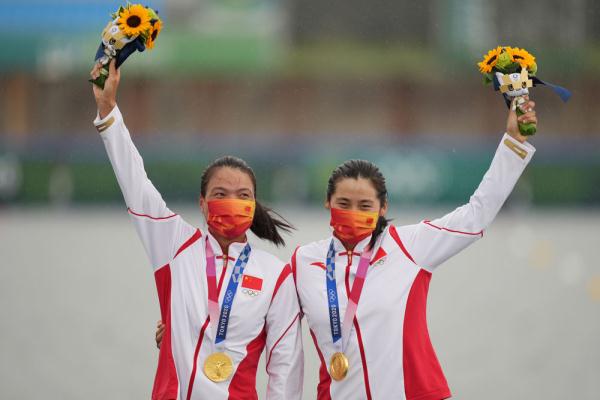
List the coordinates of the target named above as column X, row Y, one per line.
column 249, row 292
column 384, row 351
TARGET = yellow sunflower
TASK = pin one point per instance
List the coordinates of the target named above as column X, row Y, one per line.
column 156, row 28
column 489, row 60
column 134, row 20
column 522, row 56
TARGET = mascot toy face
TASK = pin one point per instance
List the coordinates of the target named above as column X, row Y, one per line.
column 113, row 38
column 514, row 85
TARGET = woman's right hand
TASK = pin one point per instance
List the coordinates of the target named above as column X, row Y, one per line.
column 106, row 99
column 160, row 332
column 513, row 121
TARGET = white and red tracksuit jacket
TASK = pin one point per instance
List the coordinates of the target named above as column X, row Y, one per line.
column 389, row 351
column 266, row 314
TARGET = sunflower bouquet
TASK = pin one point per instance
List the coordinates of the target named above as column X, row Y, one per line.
column 132, row 27
column 513, row 71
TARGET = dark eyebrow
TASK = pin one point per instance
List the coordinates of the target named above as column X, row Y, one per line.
column 342, row 199
column 218, row 188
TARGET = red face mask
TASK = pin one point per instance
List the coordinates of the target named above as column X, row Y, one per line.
column 230, row 217
column 353, row 226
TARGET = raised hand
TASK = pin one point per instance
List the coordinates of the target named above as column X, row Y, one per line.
column 106, row 99
column 512, row 122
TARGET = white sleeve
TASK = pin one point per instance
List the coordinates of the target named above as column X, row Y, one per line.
column 161, row 230
column 285, row 356
column 432, row 242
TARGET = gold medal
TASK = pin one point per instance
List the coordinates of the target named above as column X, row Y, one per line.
column 338, row 367
column 218, row 367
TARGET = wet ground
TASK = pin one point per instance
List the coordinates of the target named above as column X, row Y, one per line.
column 516, row 316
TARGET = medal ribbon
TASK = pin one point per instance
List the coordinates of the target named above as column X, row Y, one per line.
column 343, row 332
column 221, row 320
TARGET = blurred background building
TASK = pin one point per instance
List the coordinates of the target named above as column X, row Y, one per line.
column 296, row 87
column 395, row 82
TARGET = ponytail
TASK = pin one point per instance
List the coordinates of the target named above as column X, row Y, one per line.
column 267, row 223
column 382, row 223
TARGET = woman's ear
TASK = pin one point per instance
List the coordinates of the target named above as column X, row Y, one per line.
column 203, row 206
column 383, row 210
column 327, row 204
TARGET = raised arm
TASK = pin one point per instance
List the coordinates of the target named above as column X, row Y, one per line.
column 430, row 243
column 285, row 357
column 161, row 230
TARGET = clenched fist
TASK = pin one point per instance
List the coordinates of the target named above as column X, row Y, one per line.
column 106, row 98
column 512, row 123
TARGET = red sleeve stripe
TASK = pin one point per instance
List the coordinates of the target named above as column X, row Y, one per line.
column 197, row 235
column 130, row 211
column 287, row 271
column 480, row 233
column 279, row 340
column 295, row 277
column 294, row 263
column 396, row 237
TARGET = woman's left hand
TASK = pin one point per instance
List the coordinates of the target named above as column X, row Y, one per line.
column 512, row 123
column 160, row 332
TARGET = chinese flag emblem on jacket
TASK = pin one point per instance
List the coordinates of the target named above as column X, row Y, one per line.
column 252, row 282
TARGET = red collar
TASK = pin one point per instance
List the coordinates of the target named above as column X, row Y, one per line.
column 220, row 257
column 345, row 253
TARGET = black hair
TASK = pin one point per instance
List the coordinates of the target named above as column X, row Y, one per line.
column 362, row 169
column 266, row 223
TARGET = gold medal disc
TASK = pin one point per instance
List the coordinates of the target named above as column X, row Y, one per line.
column 218, row 367
column 338, row 367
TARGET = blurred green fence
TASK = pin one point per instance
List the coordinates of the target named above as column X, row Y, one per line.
column 298, row 173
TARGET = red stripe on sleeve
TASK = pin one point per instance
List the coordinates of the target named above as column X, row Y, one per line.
column 130, row 211
column 279, row 340
column 295, row 276
column 480, row 233
column 197, row 235
column 293, row 262
column 285, row 272
column 396, row 237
